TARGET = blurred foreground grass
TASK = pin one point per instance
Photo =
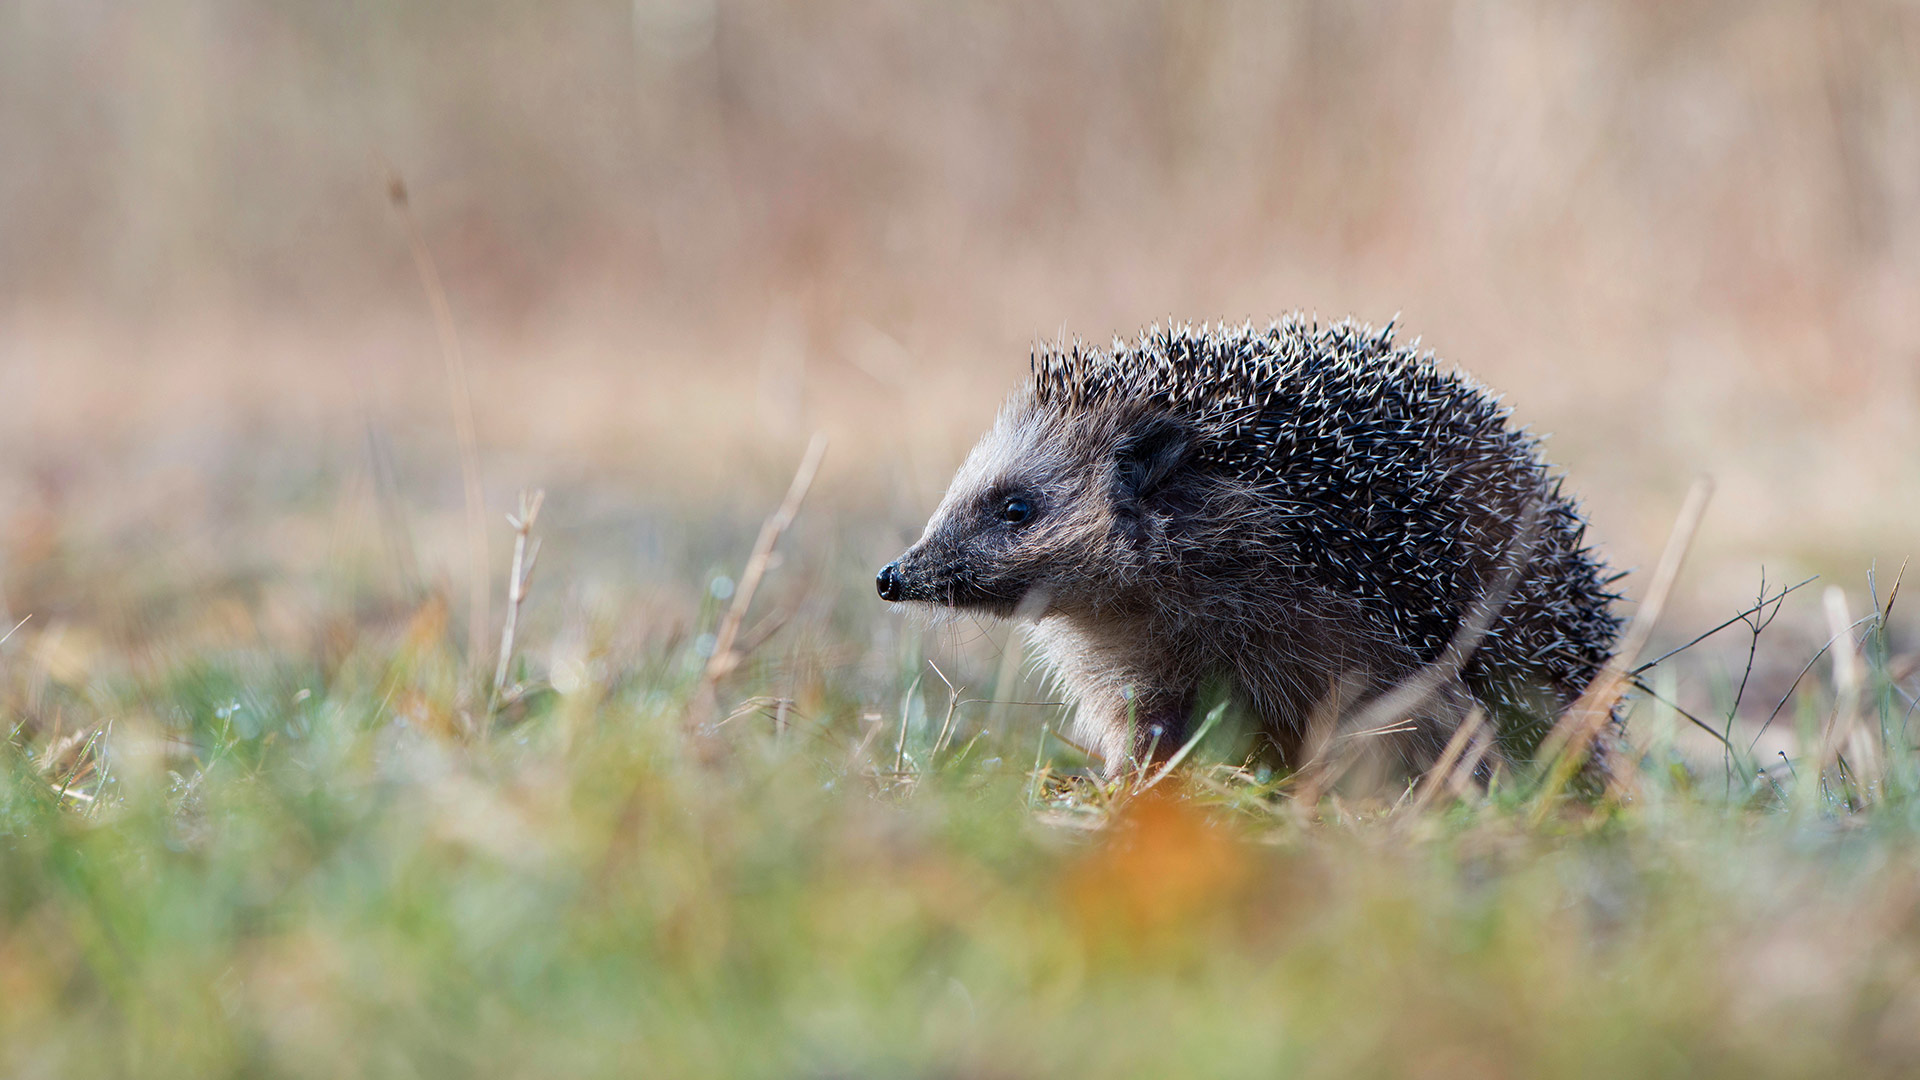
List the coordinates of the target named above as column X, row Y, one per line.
column 326, row 849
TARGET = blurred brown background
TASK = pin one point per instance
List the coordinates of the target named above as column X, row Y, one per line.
column 679, row 235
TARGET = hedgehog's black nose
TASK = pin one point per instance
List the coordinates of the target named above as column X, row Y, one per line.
column 888, row 581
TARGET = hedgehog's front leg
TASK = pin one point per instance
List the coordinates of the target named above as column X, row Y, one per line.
column 1128, row 728
column 1133, row 702
column 1158, row 724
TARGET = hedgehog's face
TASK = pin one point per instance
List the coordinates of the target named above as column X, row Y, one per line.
column 1036, row 519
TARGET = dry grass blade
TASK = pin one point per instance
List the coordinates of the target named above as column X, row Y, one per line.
column 1885, row 612
column 1339, row 746
column 479, row 618
column 875, row 724
column 906, row 716
column 1461, row 780
column 1567, row 744
column 1844, row 732
column 724, row 658
column 1443, row 769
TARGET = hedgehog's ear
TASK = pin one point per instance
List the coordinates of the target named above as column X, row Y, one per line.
column 1149, row 454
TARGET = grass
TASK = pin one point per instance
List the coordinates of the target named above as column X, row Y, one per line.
column 827, row 856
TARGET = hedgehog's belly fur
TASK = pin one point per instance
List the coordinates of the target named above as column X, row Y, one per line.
column 1119, row 682
column 1136, row 682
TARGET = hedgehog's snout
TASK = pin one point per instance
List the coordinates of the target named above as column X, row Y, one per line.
column 888, row 582
column 917, row 576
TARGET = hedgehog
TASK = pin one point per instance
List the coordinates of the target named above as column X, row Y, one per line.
column 1294, row 521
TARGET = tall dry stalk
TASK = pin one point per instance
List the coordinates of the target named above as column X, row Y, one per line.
column 725, row 657
column 460, row 396
column 1844, row 738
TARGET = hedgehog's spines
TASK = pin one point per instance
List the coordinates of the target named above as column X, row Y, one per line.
column 1396, row 480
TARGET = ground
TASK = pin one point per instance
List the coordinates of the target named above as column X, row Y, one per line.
column 284, row 825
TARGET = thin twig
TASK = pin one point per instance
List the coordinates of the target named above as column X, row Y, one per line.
column 1756, row 625
column 1762, row 605
column 1643, row 688
column 946, row 724
column 16, row 627
column 526, row 552
column 724, row 659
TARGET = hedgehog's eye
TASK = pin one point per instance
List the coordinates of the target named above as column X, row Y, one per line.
column 1016, row 511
